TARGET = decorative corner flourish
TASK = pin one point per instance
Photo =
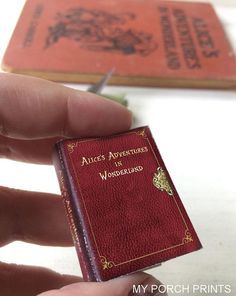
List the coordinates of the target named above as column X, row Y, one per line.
column 105, row 263
column 71, row 146
column 188, row 237
column 141, row 133
column 161, row 182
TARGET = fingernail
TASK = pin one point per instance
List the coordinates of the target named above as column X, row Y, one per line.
column 149, row 287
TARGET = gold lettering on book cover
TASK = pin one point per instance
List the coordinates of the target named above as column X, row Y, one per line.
column 68, row 206
column 161, row 182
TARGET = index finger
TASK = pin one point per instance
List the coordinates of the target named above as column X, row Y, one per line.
column 33, row 108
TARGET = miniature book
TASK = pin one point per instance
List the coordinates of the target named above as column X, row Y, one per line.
column 123, row 209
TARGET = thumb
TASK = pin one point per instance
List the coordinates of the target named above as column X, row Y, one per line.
column 122, row 286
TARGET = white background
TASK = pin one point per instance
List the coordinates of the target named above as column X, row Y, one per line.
column 195, row 131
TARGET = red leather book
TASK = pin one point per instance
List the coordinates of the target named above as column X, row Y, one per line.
column 147, row 42
column 124, row 211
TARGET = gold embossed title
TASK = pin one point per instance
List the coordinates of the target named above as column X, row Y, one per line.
column 117, row 157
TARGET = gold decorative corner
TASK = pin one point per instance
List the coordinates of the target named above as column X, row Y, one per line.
column 161, row 182
column 106, row 264
column 142, row 133
column 188, row 237
column 71, row 146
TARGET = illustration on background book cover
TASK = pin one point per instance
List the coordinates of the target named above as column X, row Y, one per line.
column 98, row 30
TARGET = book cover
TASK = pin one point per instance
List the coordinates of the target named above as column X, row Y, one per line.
column 124, row 211
column 147, row 42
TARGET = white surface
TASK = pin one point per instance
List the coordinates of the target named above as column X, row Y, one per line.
column 195, row 132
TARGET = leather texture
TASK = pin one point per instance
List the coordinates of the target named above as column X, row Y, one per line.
column 134, row 218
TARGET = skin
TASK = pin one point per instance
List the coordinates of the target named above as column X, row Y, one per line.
column 34, row 114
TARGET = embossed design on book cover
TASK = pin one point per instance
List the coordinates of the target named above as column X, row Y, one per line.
column 72, row 146
column 105, row 263
column 161, row 182
column 188, row 237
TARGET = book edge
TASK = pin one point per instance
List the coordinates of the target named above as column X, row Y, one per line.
column 227, row 84
column 75, row 227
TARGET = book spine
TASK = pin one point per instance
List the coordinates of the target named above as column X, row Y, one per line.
column 75, row 227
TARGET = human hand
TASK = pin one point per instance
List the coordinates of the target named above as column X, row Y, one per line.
column 34, row 114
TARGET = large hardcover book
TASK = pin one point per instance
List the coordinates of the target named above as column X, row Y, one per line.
column 146, row 42
column 123, row 209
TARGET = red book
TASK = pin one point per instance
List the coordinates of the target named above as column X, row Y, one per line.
column 124, row 211
column 147, row 42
